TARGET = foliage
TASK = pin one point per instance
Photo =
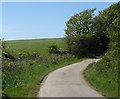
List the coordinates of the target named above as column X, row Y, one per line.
column 104, row 75
column 103, row 24
column 80, row 23
column 86, row 34
column 19, row 75
column 79, row 30
column 54, row 49
column 6, row 54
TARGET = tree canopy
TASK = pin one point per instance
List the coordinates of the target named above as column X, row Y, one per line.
column 87, row 34
column 79, row 29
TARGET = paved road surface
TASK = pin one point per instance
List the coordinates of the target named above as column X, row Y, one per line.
column 68, row 82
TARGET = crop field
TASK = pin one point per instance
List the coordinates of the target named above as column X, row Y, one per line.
column 23, row 74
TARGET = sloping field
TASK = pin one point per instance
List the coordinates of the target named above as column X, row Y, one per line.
column 37, row 45
column 22, row 75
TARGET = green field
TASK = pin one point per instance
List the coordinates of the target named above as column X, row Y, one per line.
column 22, row 77
column 38, row 45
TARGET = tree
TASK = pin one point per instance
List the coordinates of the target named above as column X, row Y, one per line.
column 79, row 31
column 103, row 24
column 86, row 34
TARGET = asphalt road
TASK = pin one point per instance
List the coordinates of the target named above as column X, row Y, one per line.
column 68, row 82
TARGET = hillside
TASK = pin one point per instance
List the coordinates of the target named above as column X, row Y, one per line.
column 27, row 62
column 36, row 45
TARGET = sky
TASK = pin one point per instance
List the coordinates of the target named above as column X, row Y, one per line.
column 60, row 0
column 34, row 20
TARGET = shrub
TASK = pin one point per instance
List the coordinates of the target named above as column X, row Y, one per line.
column 23, row 54
column 53, row 49
column 6, row 54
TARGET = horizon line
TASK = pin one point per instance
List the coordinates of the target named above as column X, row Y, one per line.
column 30, row 39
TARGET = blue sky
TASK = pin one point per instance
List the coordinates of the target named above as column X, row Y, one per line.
column 41, row 19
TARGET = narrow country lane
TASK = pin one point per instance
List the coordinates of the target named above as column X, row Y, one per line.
column 68, row 82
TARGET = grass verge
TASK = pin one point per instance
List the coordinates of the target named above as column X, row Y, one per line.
column 31, row 77
column 103, row 78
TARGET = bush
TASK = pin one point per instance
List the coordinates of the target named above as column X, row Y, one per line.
column 6, row 54
column 23, row 54
column 53, row 49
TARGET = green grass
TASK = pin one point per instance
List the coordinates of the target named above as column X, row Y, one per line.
column 103, row 75
column 38, row 45
column 21, row 78
column 32, row 78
